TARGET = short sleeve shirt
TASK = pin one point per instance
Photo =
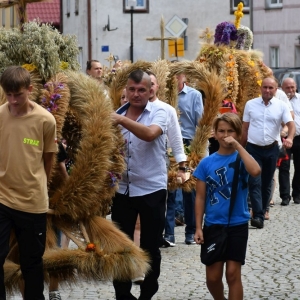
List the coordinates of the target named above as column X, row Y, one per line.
column 146, row 170
column 265, row 120
column 217, row 172
column 23, row 140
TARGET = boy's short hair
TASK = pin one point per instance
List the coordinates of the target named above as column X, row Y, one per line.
column 14, row 78
column 232, row 119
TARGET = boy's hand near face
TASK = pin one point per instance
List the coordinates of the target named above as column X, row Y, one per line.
column 230, row 141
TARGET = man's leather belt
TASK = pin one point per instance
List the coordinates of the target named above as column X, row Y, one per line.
column 265, row 147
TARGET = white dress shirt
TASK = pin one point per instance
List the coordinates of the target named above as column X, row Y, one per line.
column 265, row 121
column 146, row 170
column 295, row 101
column 173, row 131
column 281, row 95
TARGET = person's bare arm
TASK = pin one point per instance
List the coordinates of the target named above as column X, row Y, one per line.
column 199, row 210
column 250, row 163
column 284, row 131
column 63, row 170
column 48, row 162
column 245, row 129
column 288, row 142
column 143, row 132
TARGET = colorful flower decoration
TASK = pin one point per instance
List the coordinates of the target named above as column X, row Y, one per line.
column 50, row 101
column 90, row 247
column 29, row 67
column 114, row 178
column 238, row 15
column 225, row 33
column 245, row 38
column 251, row 63
column 64, row 65
column 231, row 75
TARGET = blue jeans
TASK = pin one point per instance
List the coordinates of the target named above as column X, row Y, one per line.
column 189, row 211
column 170, row 213
column 179, row 203
column 260, row 186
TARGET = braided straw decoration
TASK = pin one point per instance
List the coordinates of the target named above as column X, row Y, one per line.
column 209, row 82
column 161, row 70
column 89, row 189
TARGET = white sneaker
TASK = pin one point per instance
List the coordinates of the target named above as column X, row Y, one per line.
column 54, row 295
column 138, row 280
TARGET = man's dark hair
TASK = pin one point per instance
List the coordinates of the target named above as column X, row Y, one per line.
column 89, row 63
column 14, row 78
column 138, row 75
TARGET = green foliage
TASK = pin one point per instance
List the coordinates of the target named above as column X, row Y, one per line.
column 39, row 45
column 187, row 150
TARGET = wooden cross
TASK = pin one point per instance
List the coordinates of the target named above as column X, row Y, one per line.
column 162, row 38
column 21, row 8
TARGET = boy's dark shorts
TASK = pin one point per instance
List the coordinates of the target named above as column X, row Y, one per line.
column 237, row 243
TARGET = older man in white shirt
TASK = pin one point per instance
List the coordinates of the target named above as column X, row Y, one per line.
column 261, row 124
column 289, row 87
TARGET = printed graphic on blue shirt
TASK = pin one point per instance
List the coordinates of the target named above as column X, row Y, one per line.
column 217, row 172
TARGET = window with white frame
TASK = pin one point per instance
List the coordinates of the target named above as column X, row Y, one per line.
column 273, row 3
column 274, row 57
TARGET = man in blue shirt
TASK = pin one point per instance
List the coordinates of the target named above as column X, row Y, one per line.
column 190, row 107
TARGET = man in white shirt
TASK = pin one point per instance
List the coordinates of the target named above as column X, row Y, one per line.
column 289, row 87
column 175, row 141
column 281, row 95
column 261, row 125
column 143, row 186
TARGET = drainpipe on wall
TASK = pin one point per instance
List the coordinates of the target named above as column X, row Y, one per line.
column 61, row 29
column 89, row 26
column 251, row 19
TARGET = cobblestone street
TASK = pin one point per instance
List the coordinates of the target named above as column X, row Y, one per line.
column 272, row 269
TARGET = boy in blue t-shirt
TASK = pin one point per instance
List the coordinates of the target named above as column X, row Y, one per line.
column 213, row 192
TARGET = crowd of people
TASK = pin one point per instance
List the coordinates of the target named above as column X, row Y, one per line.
column 143, row 207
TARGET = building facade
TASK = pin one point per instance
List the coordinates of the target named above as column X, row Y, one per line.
column 8, row 17
column 104, row 27
column 276, row 28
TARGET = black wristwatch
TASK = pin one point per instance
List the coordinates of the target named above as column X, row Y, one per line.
column 185, row 169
